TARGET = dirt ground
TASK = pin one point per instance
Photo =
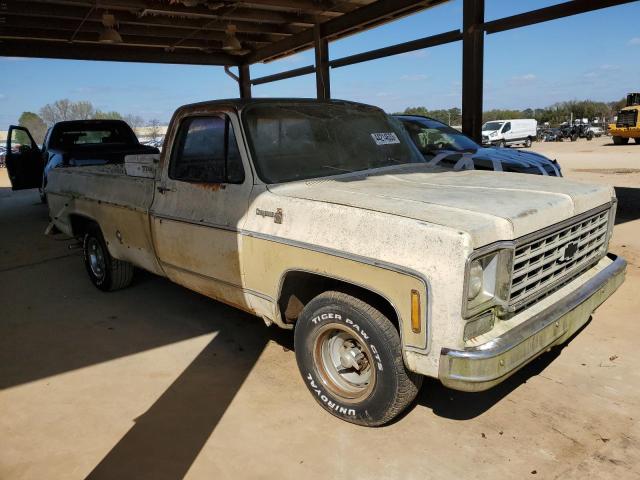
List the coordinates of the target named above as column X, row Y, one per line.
column 156, row 382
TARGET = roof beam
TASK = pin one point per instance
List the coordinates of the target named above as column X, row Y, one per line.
column 71, row 26
column 142, row 8
column 426, row 42
column 553, row 12
column 296, row 72
column 35, row 49
column 128, row 40
column 374, row 14
column 50, row 11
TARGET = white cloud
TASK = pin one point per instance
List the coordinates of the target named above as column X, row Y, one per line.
column 414, row 77
column 634, row 41
column 526, row 77
column 590, row 75
column 608, row 66
column 523, row 79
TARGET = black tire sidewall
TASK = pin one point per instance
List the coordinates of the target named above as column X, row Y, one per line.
column 103, row 283
column 374, row 408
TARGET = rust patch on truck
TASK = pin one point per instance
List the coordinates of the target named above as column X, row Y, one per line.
column 212, row 187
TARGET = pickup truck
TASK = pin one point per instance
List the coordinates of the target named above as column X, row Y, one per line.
column 323, row 217
column 68, row 143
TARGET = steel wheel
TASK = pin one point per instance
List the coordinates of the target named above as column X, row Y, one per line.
column 344, row 363
column 97, row 261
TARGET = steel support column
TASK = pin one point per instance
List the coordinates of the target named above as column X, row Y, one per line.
column 472, row 67
column 323, row 81
column 244, row 80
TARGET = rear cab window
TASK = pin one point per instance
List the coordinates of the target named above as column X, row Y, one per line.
column 206, row 152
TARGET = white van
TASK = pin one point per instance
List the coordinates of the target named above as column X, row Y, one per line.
column 509, row 132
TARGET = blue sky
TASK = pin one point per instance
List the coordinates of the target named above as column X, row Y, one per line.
column 595, row 56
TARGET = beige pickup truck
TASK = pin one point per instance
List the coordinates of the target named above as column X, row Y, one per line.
column 322, row 217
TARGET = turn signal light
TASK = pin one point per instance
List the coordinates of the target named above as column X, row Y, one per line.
column 416, row 321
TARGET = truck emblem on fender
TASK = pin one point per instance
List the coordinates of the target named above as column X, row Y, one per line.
column 277, row 215
column 568, row 252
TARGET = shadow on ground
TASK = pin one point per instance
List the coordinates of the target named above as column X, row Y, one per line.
column 628, row 204
column 456, row 405
column 55, row 321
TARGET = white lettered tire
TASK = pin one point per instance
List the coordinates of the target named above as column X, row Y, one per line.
column 350, row 357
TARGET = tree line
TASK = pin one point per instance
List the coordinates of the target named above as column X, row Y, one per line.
column 65, row 109
column 554, row 114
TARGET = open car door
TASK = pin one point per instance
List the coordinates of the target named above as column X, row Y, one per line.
column 24, row 159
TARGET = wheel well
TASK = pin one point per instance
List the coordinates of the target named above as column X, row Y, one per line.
column 80, row 224
column 298, row 288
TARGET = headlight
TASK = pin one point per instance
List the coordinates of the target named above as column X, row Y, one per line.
column 493, row 134
column 475, row 280
column 488, row 279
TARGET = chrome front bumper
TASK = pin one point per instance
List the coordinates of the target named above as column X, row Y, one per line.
column 480, row 368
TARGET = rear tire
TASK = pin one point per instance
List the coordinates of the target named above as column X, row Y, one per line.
column 350, row 357
column 620, row 140
column 527, row 143
column 637, row 140
column 105, row 272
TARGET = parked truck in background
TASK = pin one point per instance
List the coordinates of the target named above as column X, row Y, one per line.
column 323, row 217
column 503, row 133
column 70, row 144
column 627, row 124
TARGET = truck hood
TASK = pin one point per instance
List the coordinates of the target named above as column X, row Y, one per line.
column 488, row 206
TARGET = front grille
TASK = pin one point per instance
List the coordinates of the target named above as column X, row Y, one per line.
column 545, row 264
column 485, row 139
column 627, row 118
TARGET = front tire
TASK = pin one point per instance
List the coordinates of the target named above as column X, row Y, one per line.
column 105, row 272
column 620, row 140
column 350, row 357
column 637, row 140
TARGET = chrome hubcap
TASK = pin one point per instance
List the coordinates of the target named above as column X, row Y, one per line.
column 96, row 258
column 344, row 363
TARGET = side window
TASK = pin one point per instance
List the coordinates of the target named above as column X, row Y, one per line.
column 206, row 152
column 507, row 127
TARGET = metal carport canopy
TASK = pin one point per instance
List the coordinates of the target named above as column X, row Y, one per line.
column 196, row 32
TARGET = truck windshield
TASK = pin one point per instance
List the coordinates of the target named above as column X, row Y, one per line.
column 300, row 141
column 431, row 136
column 492, row 126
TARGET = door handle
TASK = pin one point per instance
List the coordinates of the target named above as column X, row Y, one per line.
column 162, row 189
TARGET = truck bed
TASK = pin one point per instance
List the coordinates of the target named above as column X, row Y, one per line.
column 118, row 202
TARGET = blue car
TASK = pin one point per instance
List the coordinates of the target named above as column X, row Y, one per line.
column 446, row 147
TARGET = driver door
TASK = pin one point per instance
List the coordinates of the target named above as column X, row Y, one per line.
column 24, row 159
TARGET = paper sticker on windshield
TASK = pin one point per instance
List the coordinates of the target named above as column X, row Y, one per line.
column 385, row 138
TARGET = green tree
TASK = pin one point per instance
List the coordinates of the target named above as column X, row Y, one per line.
column 32, row 122
column 113, row 115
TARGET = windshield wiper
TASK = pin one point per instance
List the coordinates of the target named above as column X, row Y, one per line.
column 337, row 168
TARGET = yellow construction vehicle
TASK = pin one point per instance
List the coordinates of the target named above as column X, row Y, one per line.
column 628, row 123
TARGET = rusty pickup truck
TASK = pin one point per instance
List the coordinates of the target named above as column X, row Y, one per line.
column 322, row 217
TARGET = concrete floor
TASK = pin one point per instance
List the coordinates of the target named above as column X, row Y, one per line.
column 156, row 382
